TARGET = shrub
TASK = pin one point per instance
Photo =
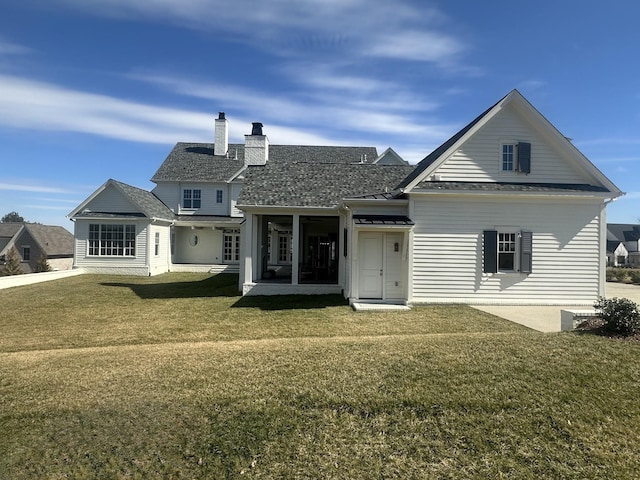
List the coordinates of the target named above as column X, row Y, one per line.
column 634, row 275
column 620, row 315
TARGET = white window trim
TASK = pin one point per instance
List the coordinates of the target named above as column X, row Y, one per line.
column 511, row 230
column 514, row 161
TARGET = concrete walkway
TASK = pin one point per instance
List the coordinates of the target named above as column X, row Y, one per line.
column 547, row 319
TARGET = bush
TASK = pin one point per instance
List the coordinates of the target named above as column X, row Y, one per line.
column 620, row 315
column 634, row 276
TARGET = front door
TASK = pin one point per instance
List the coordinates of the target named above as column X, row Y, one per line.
column 371, row 275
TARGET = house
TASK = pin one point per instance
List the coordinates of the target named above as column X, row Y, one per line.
column 623, row 241
column 506, row 211
column 34, row 241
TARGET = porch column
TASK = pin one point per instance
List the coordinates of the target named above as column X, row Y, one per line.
column 247, row 248
column 295, row 250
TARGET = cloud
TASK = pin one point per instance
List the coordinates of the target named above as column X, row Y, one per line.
column 32, row 188
column 387, row 29
column 43, row 106
column 8, row 48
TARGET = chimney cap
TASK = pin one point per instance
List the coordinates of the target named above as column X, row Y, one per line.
column 221, row 116
column 256, row 128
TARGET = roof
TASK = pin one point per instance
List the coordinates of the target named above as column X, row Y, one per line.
column 316, row 184
column 440, row 155
column 511, row 187
column 196, row 162
column 625, row 233
column 150, row 206
column 53, row 240
column 400, row 220
column 435, row 155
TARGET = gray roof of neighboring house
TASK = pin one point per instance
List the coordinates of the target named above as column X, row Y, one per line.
column 625, row 233
column 316, row 184
column 54, row 240
column 196, row 161
column 511, row 187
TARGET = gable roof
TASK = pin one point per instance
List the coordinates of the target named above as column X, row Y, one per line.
column 52, row 239
column 432, row 161
column 148, row 204
column 316, row 184
column 195, row 162
column 625, row 233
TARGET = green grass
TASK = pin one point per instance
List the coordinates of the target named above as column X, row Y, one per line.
column 176, row 377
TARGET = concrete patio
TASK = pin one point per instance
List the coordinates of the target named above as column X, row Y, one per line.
column 547, row 319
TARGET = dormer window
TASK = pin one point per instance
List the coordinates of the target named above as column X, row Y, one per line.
column 191, row 198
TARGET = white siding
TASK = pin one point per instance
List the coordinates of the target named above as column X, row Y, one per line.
column 122, row 265
column 447, row 251
column 208, row 249
column 480, row 158
column 169, row 193
column 394, row 276
column 159, row 263
column 111, row 200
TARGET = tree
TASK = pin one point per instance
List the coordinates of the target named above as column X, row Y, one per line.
column 12, row 217
column 11, row 263
column 42, row 265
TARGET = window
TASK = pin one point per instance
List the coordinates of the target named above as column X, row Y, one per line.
column 218, row 196
column 26, row 253
column 516, row 157
column 507, row 251
column 284, row 247
column 508, row 150
column 157, row 244
column 112, row 240
column 191, row 198
column 231, row 245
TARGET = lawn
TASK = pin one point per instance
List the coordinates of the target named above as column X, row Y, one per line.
column 177, row 377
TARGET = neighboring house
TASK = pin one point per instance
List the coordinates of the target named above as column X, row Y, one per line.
column 34, row 241
column 506, row 211
column 623, row 241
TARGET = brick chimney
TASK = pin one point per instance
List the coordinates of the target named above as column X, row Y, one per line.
column 222, row 135
column 256, row 146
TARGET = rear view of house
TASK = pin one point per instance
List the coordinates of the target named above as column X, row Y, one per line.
column 506, row 211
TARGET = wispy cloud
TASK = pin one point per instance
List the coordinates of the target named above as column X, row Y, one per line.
column 9, row 48
column 387, row 29
column 44, row 106
column 33, row 188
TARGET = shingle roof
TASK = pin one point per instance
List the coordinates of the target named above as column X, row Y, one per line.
column 387, row 220
column 196, row 161
column 511, row 187
column 316, row 184
column 625, row 233
column 9, row 229
column 54, row 240
column 151, row 205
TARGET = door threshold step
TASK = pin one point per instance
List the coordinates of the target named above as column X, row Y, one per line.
column 372, row 306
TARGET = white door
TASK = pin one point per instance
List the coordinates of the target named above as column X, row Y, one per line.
column 371, row 274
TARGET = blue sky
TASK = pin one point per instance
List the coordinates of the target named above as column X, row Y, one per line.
column 104, row 89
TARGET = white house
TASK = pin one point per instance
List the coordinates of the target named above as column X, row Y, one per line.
column 623, row 245
column 506, row 211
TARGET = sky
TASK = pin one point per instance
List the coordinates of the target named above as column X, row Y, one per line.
column 92, row 90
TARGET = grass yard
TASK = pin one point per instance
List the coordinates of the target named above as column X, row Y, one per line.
column 177, row 377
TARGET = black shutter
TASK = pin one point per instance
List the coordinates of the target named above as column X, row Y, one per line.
column 526, row 251
column 344, row 243
column 490, row 243
column 524, row 157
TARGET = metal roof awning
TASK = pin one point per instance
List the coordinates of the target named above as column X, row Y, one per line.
column 383, row 221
